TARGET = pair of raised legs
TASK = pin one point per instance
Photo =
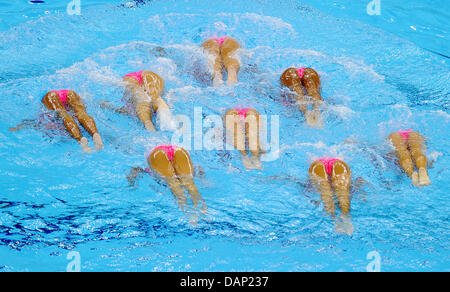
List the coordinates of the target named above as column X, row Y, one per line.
column 147, row 99
column 337, row 183
column 178, row 173
column 52, row 101
column 411, row 150
column 309, row 81
column 245, row 132
column 223, row 55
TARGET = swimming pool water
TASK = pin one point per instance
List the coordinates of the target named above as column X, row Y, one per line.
column 55, row 199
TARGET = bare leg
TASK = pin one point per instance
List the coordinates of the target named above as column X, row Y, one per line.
column 159, row 161
column 87, row 121
column 213, row 48
column 319, row 177
column 235, row 130
column 290, row 79
column 154, row 86
column 52, row 102
column 341, row 180
column 416, row 144
column 252, row 128
column 185, row 171
column 311, row 81
column 228, row 51
column 404, row 156
column 144, row 113
column 141, row 102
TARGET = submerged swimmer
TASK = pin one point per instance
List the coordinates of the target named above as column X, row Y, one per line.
column 299, row 79
column 61, row 102
column 329, row 174
column 410, row 145
column 143, row 90
column 223, row 51
column 243, row 127
column 174, row 165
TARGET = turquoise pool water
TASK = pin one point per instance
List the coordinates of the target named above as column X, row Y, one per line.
column 56, row 200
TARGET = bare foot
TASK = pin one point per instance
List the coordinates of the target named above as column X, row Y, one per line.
column 85, row 145
column 314, row 119
column 344, row 225
column 98, row 142
column 424, row 180
column 256, row 163
column 247, row 162
column 415, row 179
column 218, row 79
column 149, row 126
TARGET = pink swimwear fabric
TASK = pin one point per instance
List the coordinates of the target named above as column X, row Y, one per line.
column 221, row 40
column 242, row 112
column 328, row 163
column 169, row 149
column 300, row 72
column 136, row 75
column 405, row 133
column 62, row 95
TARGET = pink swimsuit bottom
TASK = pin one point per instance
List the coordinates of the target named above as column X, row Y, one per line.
column 300, row 72
column 405, row 133
column 169, row 149
column 62, row 95
column 328, row 163
column 136, row 75
column 242, row 113
column 221, row 40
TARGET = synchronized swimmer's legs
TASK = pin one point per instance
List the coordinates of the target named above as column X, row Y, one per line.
column 310, row 81
column 408, row 150
column 230, row 62
column 245, row 132
column 223, row 56
column 52, row 102
column 87, row 121
column 178, row 173
column 147, row 99
column 340, row 182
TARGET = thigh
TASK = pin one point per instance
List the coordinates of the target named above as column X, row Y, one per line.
column 415, row 141
column 399, row 143
column 252, row 122
column 153, row 83
column 318, row 172
column 341, row 174
column 159, row 162
column 229, row 46
column 51, row 101
column 311, row 78
column 182, row 163
column 212, row 47
column 75, row 102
